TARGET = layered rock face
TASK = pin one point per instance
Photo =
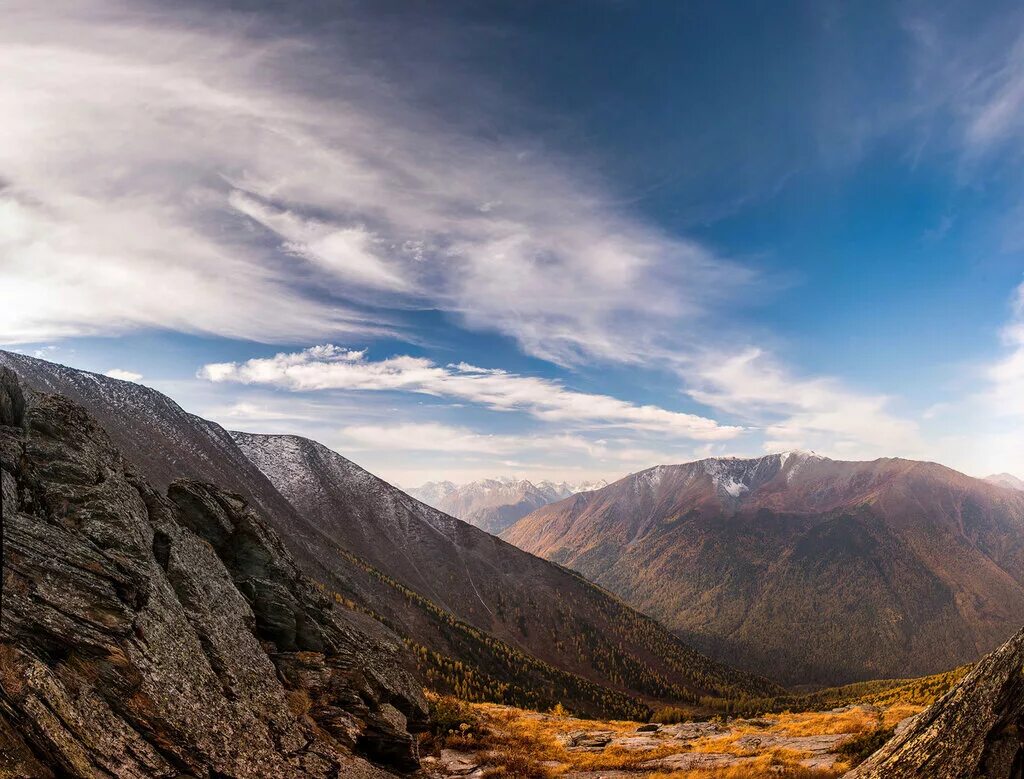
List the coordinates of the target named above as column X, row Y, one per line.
column 976, row 730
column 152, row 635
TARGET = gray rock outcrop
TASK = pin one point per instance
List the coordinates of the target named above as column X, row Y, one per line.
column 169, row 635
column 975, row 730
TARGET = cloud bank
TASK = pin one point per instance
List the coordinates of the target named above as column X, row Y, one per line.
column 801, row 412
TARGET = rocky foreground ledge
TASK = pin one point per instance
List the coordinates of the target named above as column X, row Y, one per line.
column 151, row 634
column 975, row 730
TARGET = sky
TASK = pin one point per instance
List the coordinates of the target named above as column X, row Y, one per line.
column 563, row 240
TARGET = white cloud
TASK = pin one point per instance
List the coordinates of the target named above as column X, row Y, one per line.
column 184, row 171
column 816, row 413
column 244, row 411
column 412, row 452
column 1006, row 377
column 428, row 437
column 333, row 368
column 123, row 375
column 436, row 437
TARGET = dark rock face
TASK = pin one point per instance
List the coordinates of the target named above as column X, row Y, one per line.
column 975, row 730
column 146, row 635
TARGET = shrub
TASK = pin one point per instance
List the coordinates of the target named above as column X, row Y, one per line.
column 859, row 748
column 671, row 715
column 449, row 715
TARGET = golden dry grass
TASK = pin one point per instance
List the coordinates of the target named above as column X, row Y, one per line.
column 513, row 742
column 894, row 714
column 817, row 723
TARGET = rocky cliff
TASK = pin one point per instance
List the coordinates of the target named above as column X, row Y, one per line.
column 147, row 634
column 975, row 730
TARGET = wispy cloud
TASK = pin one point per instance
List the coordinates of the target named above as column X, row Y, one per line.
column 1006, row 377
column 436, row 437
column 162, row 169
column 334, row 368
column 808, row 412
column 210, row 184
column 120, row 373
column 995, row 102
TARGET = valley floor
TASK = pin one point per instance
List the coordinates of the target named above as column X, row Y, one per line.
column 487, row 740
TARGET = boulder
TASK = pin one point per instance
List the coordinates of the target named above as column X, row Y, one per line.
column 767, row 741
column 692, row 761
column 690, row 731
column 592, row 741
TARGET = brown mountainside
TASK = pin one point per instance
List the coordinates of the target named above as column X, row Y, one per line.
column 807, row 569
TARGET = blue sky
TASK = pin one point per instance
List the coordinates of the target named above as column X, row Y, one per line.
column 561, row 240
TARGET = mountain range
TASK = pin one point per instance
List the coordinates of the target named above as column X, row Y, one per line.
column 477, row 616
column 806, row 569
column 495, row 504
column 184, row 600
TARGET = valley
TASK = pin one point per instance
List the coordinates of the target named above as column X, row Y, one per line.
column 318, row 596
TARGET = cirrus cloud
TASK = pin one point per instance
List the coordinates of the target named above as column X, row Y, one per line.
column 179, row 170
column 330, row 367
column 799, row 412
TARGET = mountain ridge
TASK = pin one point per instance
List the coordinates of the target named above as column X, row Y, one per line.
column 1006, row 480
column 488, row 571
column 748, row 558
column 528, row 643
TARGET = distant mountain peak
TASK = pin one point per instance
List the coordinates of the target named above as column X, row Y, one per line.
column 1006, row 480
column 495, row 503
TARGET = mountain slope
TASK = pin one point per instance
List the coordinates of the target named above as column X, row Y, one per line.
column 517, row 598
column 801, row 567
column 162, row 635
column 465, row 602
column 495, row 504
